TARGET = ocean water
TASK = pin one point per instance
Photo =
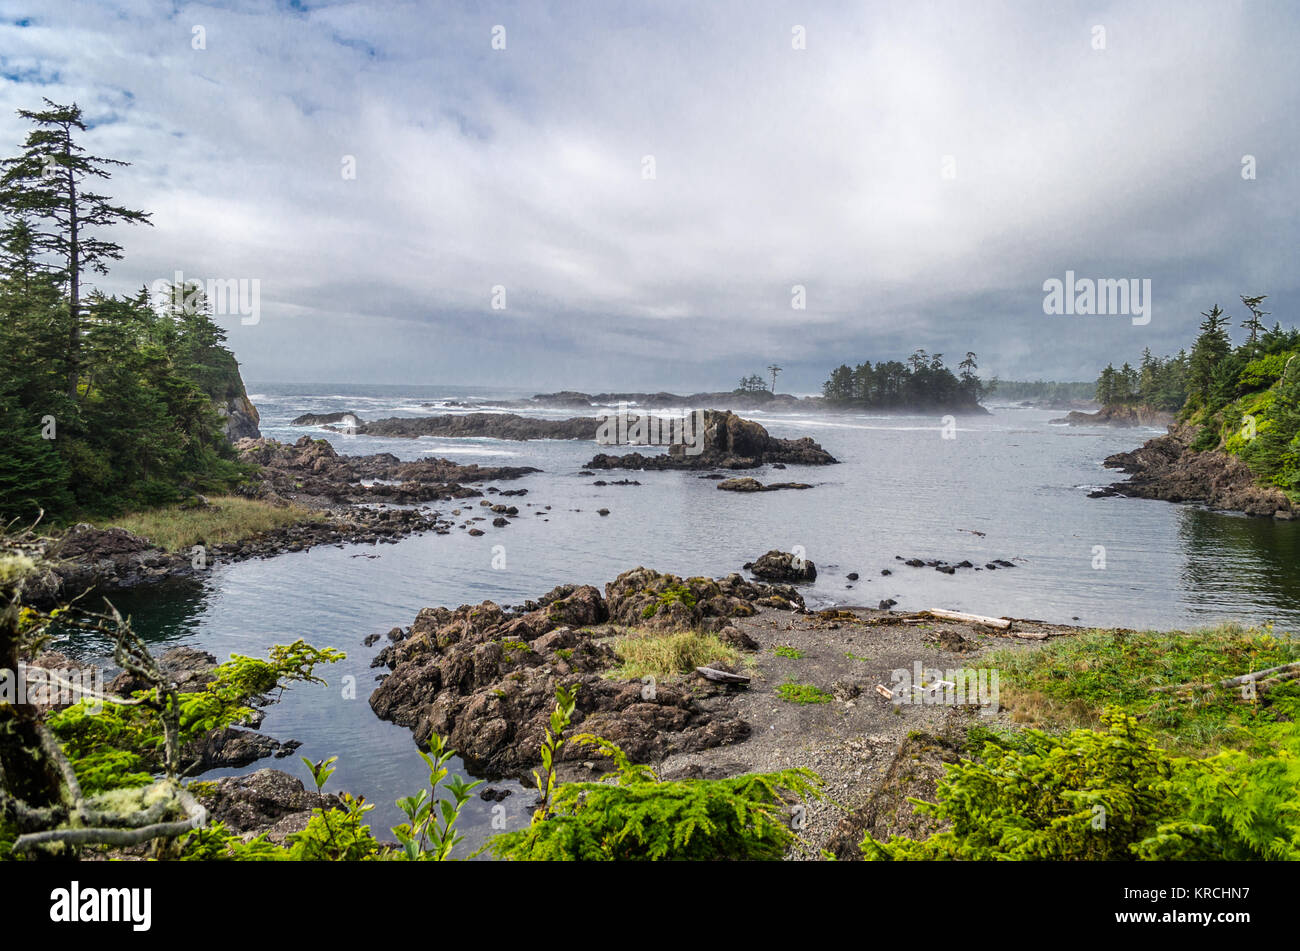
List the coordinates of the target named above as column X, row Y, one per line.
column 1010, row 485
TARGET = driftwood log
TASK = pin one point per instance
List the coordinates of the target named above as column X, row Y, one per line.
column 721, row 676
column 999, row 622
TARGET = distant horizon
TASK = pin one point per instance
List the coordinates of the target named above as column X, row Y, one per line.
column 250, row 385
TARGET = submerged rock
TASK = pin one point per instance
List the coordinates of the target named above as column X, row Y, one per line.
column 747, row 484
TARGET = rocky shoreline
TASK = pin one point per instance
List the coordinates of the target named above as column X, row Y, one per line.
column 311, row 472
column 107, row 560
column 355, row 497
column 485, row 677
column 378, row 498
column 1168, row 469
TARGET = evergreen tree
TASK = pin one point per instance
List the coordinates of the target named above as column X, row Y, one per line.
column 33, row 476
column 1106, row 386
column 1254, row 324
column 46, row 184
column 1211, row 348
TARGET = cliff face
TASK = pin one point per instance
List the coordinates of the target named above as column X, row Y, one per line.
column 226, row 387
column 240, row 415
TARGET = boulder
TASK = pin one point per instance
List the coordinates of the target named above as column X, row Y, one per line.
column 779, row 565
column 261, row 801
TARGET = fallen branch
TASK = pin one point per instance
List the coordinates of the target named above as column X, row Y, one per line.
column 1292, row 669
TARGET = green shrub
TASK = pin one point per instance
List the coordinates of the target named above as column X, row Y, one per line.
column 117, row 746
column 634, row 816
column 1110, row 795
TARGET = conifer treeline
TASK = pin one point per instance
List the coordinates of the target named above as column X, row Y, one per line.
column 105, row 402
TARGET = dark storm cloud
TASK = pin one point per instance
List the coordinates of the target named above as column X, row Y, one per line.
column 774, row 167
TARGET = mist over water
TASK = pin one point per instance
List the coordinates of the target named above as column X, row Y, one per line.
column 900, row 490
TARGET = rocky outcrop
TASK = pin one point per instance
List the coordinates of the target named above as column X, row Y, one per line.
column 664, row 602
column 486, row 678
column 322, row 419
column 1167, row 468
column 779, row 565
column 1121, row 416
column 727, row 442
column 230, row 398
column 313, row 472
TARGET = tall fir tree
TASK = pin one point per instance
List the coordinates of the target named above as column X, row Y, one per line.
column 46, row 187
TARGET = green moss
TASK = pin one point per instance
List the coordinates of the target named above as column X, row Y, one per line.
column 510, row 647
column 785, row 650
column 202, row 789
column 792, row 692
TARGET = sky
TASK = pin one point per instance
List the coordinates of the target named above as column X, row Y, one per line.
column 604, row 195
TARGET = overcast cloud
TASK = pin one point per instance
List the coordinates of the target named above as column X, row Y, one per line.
column 774, row 167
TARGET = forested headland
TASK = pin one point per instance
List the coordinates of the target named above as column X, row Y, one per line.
column 107, row 402
column 1243, row 399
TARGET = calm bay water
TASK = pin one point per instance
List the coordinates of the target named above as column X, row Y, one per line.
column 900, row 489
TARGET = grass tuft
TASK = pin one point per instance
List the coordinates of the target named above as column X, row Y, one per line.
column 664, row 655
column 229, row 518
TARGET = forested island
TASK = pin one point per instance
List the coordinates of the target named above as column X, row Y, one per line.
column 923, row 384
